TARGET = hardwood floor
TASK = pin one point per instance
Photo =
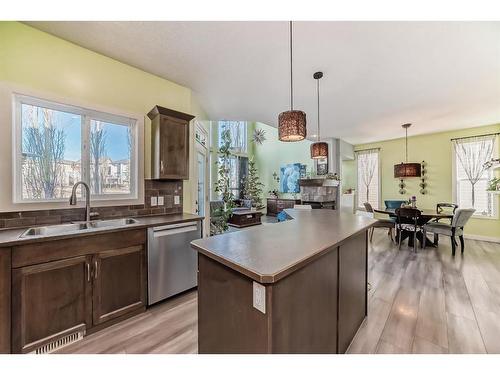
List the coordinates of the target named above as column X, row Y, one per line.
column 428, row 302
column 169, row 327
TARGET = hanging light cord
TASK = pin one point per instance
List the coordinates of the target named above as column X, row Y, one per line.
column 291, row 67
column 406, row 137
column 317, row 86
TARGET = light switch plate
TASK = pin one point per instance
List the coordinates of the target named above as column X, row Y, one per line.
column 154, row 201
column 259, row 297
column 177, row 199
column 161, row 200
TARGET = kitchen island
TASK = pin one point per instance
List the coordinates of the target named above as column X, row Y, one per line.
column 299, row 286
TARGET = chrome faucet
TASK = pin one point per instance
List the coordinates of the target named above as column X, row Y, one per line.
column 72, row 199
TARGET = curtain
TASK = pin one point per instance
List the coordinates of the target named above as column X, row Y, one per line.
column 472, row 154
column 367, row 164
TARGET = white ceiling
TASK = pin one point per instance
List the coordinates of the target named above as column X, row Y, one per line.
column 378, row 75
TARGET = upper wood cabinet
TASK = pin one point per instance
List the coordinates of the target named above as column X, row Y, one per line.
column 169, row 144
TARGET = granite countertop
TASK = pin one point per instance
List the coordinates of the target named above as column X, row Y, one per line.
column 11, row 237
column 268, row 253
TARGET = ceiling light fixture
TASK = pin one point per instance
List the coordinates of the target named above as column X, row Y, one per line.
column 319, row 150
column 292, row 123
column 405, row 170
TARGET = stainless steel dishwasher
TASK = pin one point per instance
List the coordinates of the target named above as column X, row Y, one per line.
column 172, row 263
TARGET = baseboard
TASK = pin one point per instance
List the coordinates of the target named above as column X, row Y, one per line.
column 482, row 238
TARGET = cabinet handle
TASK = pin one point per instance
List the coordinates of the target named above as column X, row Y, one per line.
column 161, row 166
column 88, row 271
column 95, row 268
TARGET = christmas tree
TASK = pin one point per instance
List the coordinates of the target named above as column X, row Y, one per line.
column 252, row 186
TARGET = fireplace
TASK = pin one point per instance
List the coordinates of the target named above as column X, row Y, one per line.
column 319, row 192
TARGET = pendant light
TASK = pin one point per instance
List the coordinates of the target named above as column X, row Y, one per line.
column 292, row 123
column 319, row 150
column 406, row 169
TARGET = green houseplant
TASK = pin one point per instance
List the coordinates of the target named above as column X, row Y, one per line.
column 222, row 186
column 494, row 184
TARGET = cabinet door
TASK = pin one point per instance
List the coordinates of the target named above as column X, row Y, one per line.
column 119, row 283
column 174, row 148
column 5, row 298
column 49, row 301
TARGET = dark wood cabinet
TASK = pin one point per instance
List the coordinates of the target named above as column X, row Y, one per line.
column 245, row 218
column 353, row 291
column 99, row 280
column 169, row 144
column 119, row 283
column 50, row 300
column 315, row 309
column 5, row 300
column 276, row 205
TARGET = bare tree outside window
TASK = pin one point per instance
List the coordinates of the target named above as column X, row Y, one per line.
column 367, row 164
column 59, row 145
column 97, row 156
column 43, row 152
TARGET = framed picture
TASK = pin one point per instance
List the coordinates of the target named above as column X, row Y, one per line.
column 322, row 166
column 289, row 178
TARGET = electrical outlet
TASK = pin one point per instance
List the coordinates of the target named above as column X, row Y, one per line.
column 259, row 297
column 161, row 200
column 177, row 199
column 154, row 201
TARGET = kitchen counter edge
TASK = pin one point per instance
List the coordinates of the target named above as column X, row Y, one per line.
column 11, row 237
column 269, row 278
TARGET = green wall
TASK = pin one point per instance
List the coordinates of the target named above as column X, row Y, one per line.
column 348, row 177
column 436, row 150
column 273, row 153
column 34, row 60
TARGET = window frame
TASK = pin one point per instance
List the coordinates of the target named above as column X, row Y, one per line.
column 379, row 178
column 87, row 116
column 244, row 134
column 455, row 181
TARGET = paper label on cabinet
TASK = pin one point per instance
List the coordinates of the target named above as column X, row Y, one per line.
column 259, row 297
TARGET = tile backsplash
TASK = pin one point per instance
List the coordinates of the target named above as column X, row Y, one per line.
column 152, row 188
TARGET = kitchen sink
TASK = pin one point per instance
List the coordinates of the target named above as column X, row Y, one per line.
column 112, row 223
column 53, row 230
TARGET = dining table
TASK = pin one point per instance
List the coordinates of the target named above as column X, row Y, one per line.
column 427, row 215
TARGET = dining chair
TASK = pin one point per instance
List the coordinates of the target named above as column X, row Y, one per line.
column 407, row 220
column 381, row 222
column 456, row 228
column 393, row 203
column 440, row 208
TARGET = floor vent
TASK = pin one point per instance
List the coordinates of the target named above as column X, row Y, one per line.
column 59, row 343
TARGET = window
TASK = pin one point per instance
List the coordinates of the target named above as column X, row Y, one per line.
column 471, row 179
column 238, row 173
column 238, row 133
column 58, row 145
column 368, row 177
column 238, row 162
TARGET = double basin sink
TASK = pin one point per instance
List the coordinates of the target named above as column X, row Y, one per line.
column 54, row 230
